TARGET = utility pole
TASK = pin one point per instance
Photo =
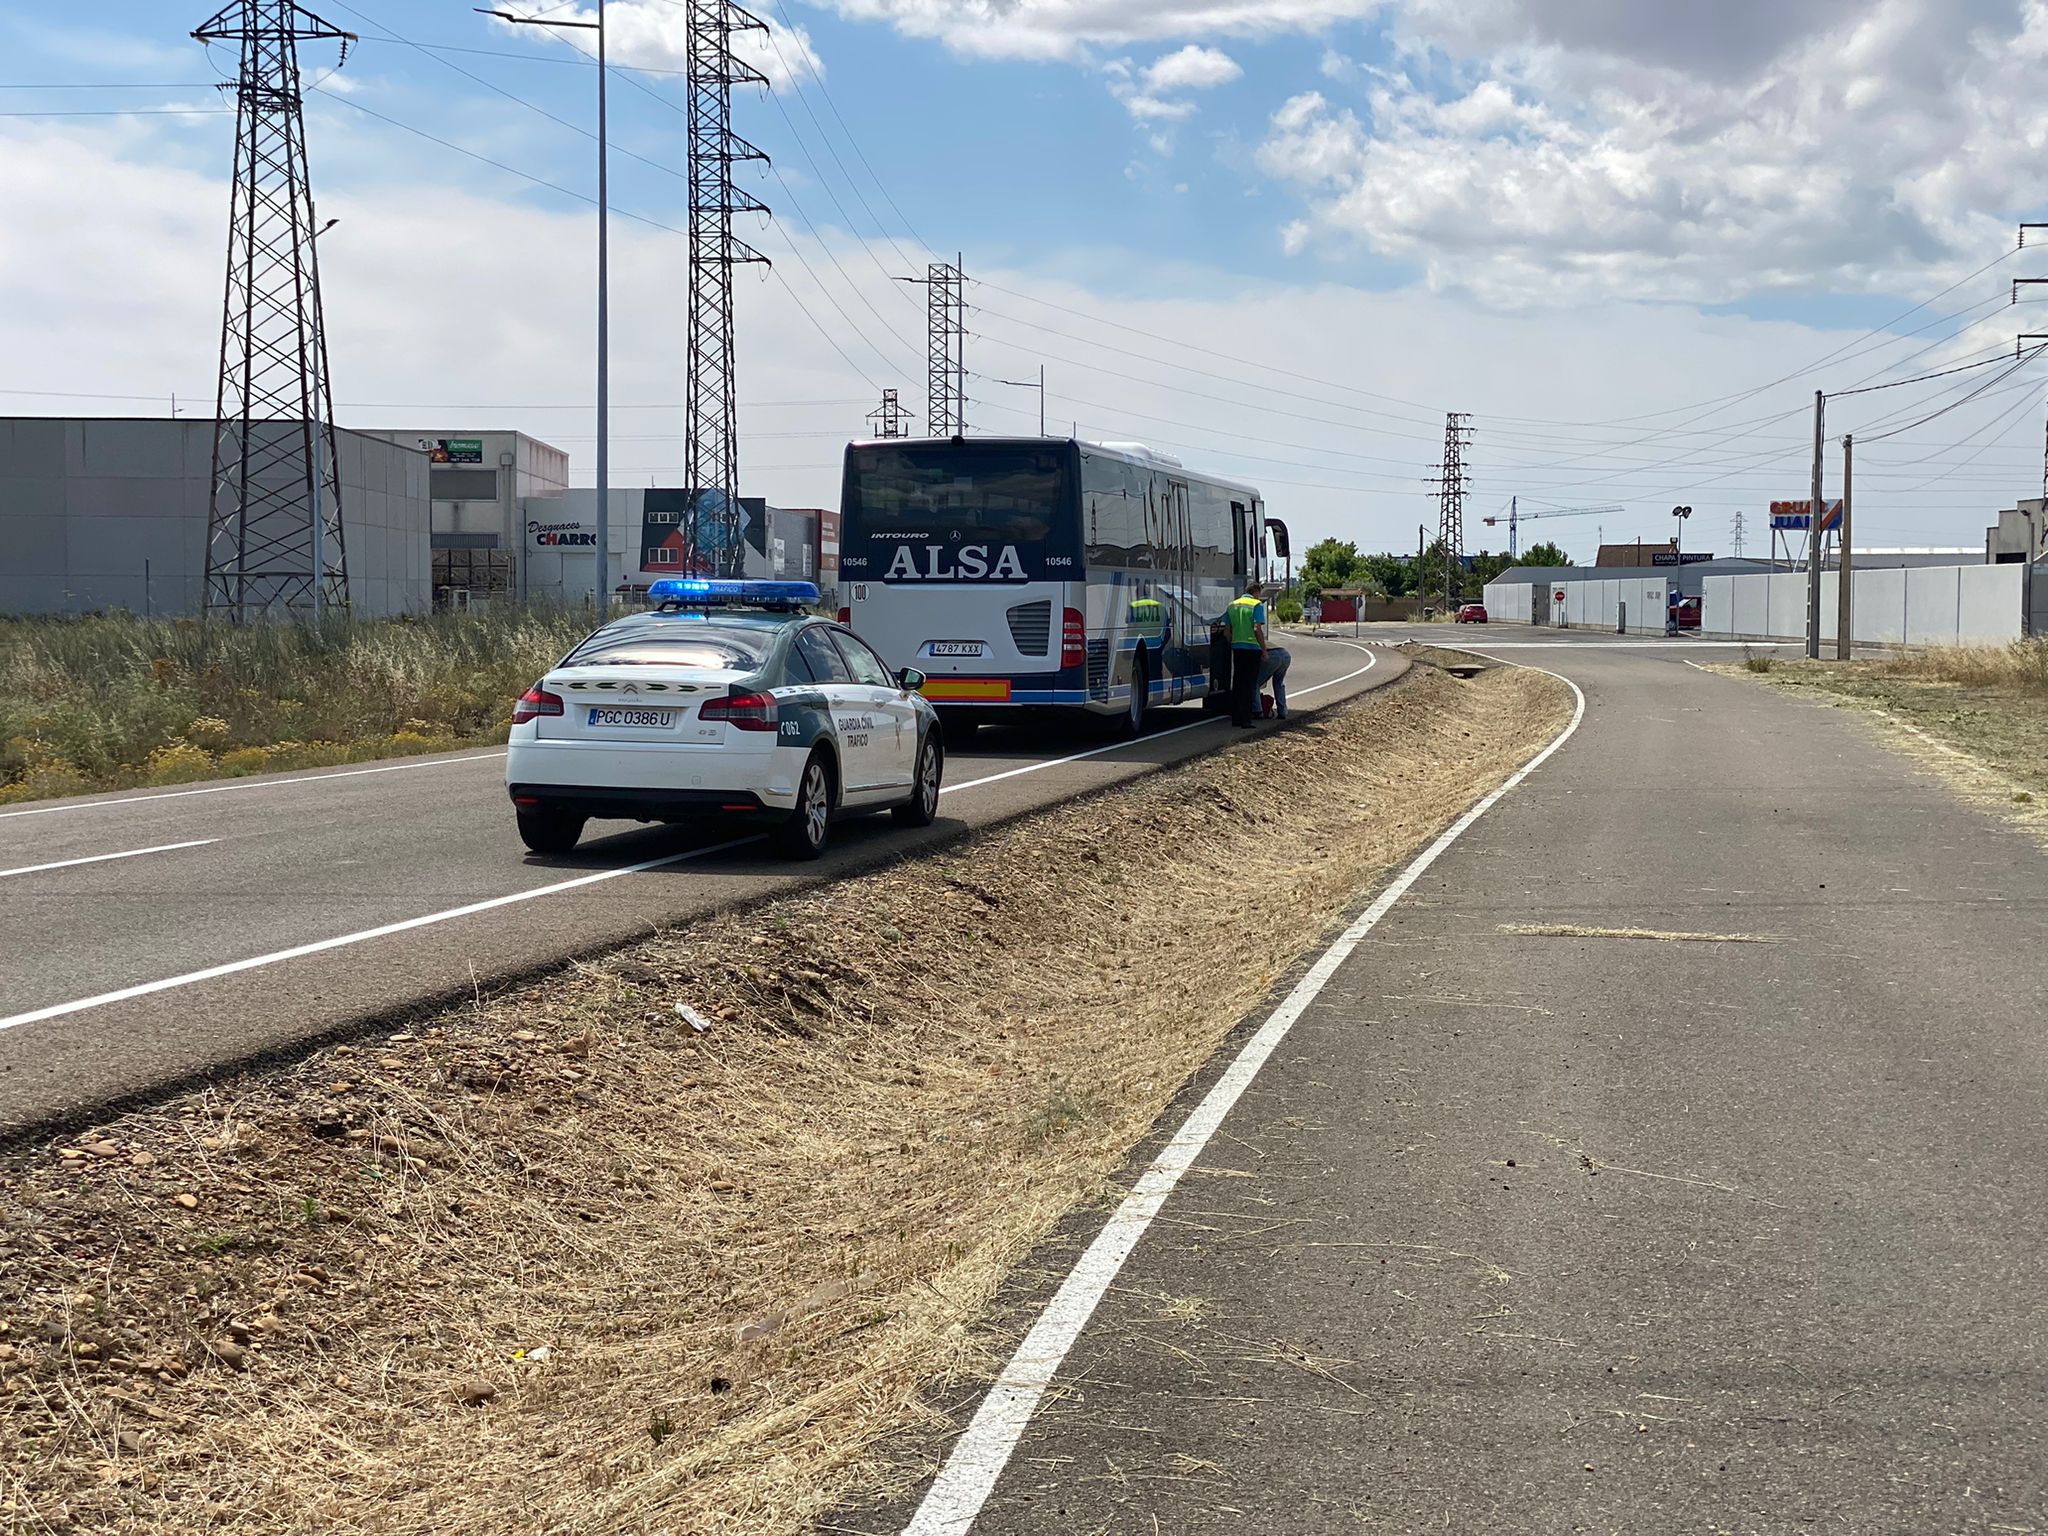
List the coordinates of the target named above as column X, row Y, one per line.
column 945, row 390
column 274, row 526
column 711, row 468
column 1514, row 537
column 601, row 577
column 1451, row 482
column 1844, row 568
column 889, row 418
column 1817, row 514
column 1738, row 536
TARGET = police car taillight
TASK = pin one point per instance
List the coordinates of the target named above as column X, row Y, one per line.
column 1073, row 640
column 742, row 711
column 534, row 703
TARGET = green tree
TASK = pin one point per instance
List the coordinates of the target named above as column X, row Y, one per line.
column 1433, row 576
column 1392, row 575
column 1545, row 554
column 1331, row 565
column 1487, row 566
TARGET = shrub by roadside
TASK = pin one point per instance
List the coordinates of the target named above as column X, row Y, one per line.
column 113, row 701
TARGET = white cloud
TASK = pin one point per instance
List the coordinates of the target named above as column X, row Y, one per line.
column 1065, row 29
column 1606, row 148
column 1192, row 68
column 654, row 34
column 1146, row 95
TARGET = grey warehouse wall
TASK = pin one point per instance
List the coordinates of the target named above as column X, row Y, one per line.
column 111, row 513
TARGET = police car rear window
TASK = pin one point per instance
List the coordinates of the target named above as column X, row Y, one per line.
column 676, row 643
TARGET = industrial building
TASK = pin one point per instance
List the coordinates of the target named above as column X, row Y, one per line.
column 102, row 513
column 479, row 482
column 2019, row 535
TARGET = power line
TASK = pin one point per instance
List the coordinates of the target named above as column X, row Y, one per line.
column 2018, row 364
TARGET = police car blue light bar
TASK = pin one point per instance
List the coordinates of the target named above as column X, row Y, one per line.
column 704, row 592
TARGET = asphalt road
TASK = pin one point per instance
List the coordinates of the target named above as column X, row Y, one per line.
column 114, row 909
column 1553, row 1232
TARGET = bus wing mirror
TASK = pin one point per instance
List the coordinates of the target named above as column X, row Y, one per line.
column 1277, row 531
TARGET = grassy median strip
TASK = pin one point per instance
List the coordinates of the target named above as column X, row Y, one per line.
column 113, row 701
column 1977, row 716
column 675, row 1242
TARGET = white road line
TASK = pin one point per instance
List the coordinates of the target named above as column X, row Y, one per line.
column 101, row 858
column 954, row 1500
column 1616, row 645
column 342, row 941
column 1118, row 746
column 221, row 789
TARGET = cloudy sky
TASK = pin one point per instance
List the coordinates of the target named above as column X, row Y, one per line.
column 1279, row 238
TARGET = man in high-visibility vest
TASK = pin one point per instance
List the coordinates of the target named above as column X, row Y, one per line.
column 1246, row 619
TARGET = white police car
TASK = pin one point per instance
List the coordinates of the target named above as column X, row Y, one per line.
column 726, row 697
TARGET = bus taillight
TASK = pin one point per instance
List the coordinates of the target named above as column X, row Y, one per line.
column 1073, row 640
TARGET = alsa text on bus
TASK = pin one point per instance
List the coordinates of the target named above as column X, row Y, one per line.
column 967, row 562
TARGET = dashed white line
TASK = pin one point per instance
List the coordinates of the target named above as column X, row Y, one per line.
column 101, row 858
column 955, row 1499
column 222, row 789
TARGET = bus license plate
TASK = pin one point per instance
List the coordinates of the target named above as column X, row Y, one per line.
column 957, row 647
column 641, row 719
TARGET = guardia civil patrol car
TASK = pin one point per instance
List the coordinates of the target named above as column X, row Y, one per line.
column 726, row 698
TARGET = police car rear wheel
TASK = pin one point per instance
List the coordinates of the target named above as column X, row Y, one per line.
column 548, row 831
column 803, row 835
column 922, row 809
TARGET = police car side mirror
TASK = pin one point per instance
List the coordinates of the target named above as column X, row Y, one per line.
column 911, row 678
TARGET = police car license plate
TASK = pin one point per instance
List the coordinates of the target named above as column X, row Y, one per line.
column 642, row 719
column 957, row 647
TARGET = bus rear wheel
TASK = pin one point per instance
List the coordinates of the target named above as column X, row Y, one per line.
column 1141, row 693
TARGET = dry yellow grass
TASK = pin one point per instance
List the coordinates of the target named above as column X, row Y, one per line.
column 565, row 1263
column 1975, row 717
column 2021, row 667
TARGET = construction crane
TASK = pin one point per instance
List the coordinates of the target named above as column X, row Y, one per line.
column 1515, row 519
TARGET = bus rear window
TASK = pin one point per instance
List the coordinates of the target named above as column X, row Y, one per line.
column 995, row 494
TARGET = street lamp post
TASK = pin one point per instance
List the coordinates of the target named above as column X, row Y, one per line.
column 601, row 577
column 1678, row 568
column 1037, row 384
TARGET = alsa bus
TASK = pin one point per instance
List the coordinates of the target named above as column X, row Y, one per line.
column 1021, row 572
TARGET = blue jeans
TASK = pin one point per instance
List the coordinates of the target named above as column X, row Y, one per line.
column 1274, row 670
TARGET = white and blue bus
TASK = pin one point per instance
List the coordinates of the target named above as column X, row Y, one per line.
column 1020, row 573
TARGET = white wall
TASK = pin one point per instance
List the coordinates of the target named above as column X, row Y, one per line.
column 1639, row 600
column 1507, row 601
column 1923, row 605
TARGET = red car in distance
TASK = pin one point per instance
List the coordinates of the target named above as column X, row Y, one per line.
column 1472, row 613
